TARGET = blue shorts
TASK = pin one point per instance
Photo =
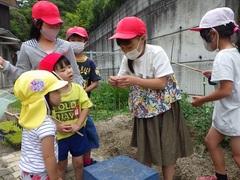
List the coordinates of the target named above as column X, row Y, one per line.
column 77, row 145
column 92, row 134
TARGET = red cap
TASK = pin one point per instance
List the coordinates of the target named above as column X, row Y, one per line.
column 48, row 62
column 129, row 27
column 46, row 11
column 77, row 30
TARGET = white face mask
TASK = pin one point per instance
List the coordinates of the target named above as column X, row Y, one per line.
column 134, row 53
column 50, row 34
column 208, row 45
column 77, row 47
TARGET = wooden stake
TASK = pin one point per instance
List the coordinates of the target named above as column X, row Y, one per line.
column 194, row 69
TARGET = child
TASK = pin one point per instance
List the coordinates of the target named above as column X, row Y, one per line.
column 38, row 91
column 78, row 38
column 216, row 28
column 159, row 130
column 43, row 40
column 72, row 112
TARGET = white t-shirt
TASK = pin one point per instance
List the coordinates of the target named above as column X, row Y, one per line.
column 226, row 114
column 146, row 102
column 154, row 63
column 31, row 150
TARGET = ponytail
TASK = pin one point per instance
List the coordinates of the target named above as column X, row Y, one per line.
column 237, row 43
column 130, row 65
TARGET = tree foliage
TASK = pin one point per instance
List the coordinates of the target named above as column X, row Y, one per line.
column 86, row 13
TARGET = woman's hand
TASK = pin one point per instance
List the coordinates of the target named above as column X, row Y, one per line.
column 1, row 62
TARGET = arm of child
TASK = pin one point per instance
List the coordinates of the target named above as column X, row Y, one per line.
column 92, row 86
column 76, row 126
column 49, row 158
column 156, row 83
column 223, row 91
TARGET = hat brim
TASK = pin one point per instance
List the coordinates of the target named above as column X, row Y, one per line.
column 52, row 21
column 58, row 85
column 196, row 29
column 80, row 34
column 122, row 36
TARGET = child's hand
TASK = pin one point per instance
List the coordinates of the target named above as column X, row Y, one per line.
column 197, row 101
column 125, row 81
column 64, row 128
column 207, row 73
column 113, row 80
column 75, row 127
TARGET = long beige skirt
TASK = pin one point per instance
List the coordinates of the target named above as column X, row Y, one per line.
column 163, row 139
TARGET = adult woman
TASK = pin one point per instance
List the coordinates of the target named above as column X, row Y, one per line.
column 43, row 40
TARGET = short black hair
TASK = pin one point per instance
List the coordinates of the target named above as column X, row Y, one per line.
column 61, row 62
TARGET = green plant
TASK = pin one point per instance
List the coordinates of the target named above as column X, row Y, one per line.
column 199, row 118
column 12, row 132
column 108, row 101
column 16, row 104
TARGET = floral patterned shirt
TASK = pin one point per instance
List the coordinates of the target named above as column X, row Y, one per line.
column 146, row 103
column 154, row 63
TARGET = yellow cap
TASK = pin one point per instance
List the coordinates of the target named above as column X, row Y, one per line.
column 30, row 88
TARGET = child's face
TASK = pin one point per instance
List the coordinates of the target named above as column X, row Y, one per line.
column 135, row 43
column 76, row 38
column 66, row 73
column 55, row 98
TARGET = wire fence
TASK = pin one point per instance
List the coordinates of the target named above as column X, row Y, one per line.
column 190, row 81
column 193, row 82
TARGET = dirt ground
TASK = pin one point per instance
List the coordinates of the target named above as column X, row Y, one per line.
column 115, row 135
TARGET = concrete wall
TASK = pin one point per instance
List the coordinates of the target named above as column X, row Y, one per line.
column 167, row 23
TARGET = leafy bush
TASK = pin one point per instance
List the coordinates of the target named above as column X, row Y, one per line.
column 12, row 133
column 199, row 118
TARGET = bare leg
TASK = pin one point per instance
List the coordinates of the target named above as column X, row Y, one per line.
column 78, row 167
column 62, row 165
column 87, row 155
column 235, row 143
column 213, row 140
column 148, row 164
column 168, row 172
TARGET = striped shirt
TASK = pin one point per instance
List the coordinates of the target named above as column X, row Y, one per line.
column 31, row 150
